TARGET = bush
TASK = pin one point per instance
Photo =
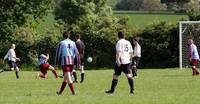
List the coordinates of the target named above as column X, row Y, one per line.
column 159, row 43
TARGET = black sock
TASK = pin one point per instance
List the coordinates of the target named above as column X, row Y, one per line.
column 82, row 77
column 17, row 74
column 114, row 84
column 75, row 76
column 131, row 84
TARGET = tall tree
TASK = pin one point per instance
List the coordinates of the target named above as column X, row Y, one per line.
column 94, row 20
column 17, row 13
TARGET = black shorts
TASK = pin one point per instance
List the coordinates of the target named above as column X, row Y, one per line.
column 12, row 64
column 135, row 61
column 123, row 68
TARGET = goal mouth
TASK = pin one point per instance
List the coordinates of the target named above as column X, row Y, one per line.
column 187, row 30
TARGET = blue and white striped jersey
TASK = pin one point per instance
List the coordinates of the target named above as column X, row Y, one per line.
column 66, row 51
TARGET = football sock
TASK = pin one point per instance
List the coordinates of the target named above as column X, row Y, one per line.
column 17, row 74
column 82, row 77
column 62, row 87
column 75, row 76
column 55, row 73
column 71, row 88
column 131, row 84
column 114, row 84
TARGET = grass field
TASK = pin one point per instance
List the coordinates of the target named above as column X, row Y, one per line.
column 142, row 19
column 154, row 86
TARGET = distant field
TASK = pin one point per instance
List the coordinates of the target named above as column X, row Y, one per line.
column 154, row 86
column 142, row 19
column 136, row 19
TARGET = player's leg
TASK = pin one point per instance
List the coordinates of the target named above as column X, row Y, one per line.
column 64, row 83
column 129, row 76
column 11, row 65
column 43, row 71
column 116, row 74
column 53, row 71
column 82, row 73
column 16, row 69
column 193, row 63
column 82, row 70
column 135, row 63
column 69, row 80
column 74, row 74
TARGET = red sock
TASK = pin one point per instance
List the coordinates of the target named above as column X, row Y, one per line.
column 71, row 87
column 62, row 87
column 55, row 73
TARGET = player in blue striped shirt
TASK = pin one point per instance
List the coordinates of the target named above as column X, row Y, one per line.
column 66, row 51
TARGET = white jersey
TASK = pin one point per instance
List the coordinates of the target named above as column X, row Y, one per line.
column 125, row 48
column 11, row 56
column 137, row 51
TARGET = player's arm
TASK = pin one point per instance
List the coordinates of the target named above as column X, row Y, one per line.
column 77, row 55
column 58, row 55
column 190, row 53
column 118, row 56
column 6, row 56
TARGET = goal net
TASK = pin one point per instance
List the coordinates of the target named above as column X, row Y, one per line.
column 187, row 30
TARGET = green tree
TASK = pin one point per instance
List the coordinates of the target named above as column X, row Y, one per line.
column 94, row 20
column 18, row 13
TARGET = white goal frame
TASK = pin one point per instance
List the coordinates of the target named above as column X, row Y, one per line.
column 180, row 39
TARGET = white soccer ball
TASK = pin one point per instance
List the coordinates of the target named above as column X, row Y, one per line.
column 89, row 59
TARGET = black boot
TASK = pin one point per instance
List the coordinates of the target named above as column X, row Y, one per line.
column 114, row 84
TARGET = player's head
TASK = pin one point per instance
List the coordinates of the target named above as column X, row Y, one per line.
column 121, row 35
column 66, row 35
column 190, row 41
column 78, row 36
column 13, row 46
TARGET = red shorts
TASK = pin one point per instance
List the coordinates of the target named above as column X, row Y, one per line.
column 44, row 68
column 67, row 68
column 194, row 62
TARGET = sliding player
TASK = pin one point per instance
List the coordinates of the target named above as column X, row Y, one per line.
column 81, row 49
column 66, row 51
column 44, row 66
column 193, row 56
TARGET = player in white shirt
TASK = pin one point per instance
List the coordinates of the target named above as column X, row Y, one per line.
column 11, row 58
column 124, row 54
column 136, row 57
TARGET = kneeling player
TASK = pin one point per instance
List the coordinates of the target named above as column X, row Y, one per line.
column 44, row 66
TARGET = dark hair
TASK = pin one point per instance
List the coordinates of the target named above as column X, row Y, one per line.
column 78, row 36
column 121, row 34
column 66, row 34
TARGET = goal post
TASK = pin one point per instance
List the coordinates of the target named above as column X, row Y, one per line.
column 187, row 29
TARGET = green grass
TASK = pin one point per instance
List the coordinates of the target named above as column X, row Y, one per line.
column 142, row 19
column 154, row 86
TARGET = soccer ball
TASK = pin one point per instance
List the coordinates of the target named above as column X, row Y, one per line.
column 89, row 59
